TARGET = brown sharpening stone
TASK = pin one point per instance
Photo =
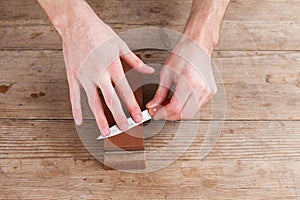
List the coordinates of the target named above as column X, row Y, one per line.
column 117, row 148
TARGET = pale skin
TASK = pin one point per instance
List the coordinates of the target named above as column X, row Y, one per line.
column 82, row 30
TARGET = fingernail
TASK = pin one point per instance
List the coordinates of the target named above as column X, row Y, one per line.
column 152, row 111
column 138, row 118
column 124, row 126
column 151, row 105
column 105, row 131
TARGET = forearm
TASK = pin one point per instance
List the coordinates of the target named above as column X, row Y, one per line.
column 204, row 22
column 68, row 14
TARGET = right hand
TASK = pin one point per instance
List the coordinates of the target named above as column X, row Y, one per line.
column 92, row 52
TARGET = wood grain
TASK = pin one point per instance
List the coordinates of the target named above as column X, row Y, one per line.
column 235, row 35
column 258, row 85
column 148, row 10
column 256, row 157
column 242, row 140
column 250, row 159
column 248, row 25
column 66, row 179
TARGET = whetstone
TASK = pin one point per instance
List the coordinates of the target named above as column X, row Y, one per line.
column 124, row 160
column 126, row 150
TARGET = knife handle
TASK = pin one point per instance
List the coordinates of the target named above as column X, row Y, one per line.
column 152, row 111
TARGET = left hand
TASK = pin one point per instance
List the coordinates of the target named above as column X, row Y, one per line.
column 189, row 67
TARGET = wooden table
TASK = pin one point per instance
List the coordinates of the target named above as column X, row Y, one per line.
column 256, row 157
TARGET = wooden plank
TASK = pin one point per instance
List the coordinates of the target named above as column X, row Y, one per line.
column 242, row 140
column 66, row 179
column 251, row 159
column 235, row 35
column 248, row 25
column 154, row 11
column 44, row 139
column 259, row 85
column 45, row 159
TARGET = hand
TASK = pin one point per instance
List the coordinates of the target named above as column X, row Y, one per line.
column 92, row 52
column 189, row 67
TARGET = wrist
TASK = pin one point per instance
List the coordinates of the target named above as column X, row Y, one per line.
column 76, row 18
column 204, row 31
column 205, row 21
column 202, row 37
column 66, row 15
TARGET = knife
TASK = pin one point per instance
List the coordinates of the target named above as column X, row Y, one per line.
column 146, row 116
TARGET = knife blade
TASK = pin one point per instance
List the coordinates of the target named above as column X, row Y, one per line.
column 146, row 116
column 114, row 130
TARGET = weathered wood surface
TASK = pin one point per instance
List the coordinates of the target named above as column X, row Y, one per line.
column 240, row 140
column 248, row 25
column 150, row 11
column 256, row 157
column 84, row 179
column 259, row 85
column 44, row 159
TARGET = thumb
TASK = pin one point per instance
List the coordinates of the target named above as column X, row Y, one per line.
column 162, row 91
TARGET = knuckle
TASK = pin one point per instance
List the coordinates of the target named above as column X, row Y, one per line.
column 176, row 118
column 138, row 62
column 134, row 108
column 193, row 81
column 102, row 122
column 121, row 122
column 114, row 68
column 160, row 93
column 103, row 81
column 176, row 109
column 191, row 78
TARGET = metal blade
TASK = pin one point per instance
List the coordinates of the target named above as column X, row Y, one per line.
column 114, row 130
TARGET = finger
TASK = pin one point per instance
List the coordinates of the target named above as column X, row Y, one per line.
column 180, row 96
column 163, row 89
column 75, row 101
column 126, row 94
column 192, row 105
column 189, row 109
column 97, row 109
column 113, row 103
column 205, row 97
column 136, row 63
